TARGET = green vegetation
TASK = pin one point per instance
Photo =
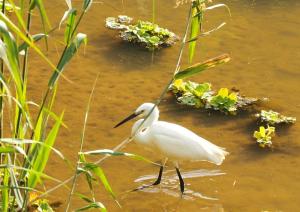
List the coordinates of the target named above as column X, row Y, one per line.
column 202, row 96
column 264, row 136
column 272, row 118
column 30, row 137
column 143, row 33
column 224, row 101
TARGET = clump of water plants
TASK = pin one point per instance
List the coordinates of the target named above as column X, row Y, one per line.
column 39, row 204
column 271, row 117
column 202, row 96
column 224, row 101
column 118, row 23
column 144, row 33
column 191, row 93
column 264, row 136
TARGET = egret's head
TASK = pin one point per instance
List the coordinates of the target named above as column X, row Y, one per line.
column 142, row 111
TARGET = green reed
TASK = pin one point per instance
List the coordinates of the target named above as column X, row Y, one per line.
column 29, row 138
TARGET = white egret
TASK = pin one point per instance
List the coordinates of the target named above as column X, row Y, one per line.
column 172, row 141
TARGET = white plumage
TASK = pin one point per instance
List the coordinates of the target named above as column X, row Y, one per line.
column 172, row 141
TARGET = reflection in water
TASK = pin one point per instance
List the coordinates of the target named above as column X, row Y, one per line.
column 169, row 183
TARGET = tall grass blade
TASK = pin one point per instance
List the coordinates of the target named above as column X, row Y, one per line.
column 80, row 156
column 5, row 190
column 20, row 142
column 7, row 149
column 16, row 168
column 18, row 32
column 70, row 25
column 45, row 21
column 115, row 153
column 217, row 6
column 14, row 183
column 66, row 57
column 194, row 28
column 93, row 205
column 18, row 14
column 41, row 160
column 100, row 174
column 87, row 4
column 9, row 54
column 35, row 38
column 199, row 67
column 67, row 13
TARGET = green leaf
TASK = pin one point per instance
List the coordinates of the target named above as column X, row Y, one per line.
column 35, row 38
column 87, row 4
column 9, row 54
column 85, row 198
column 194, row 30
column 199, row 67
column 70, row 24
column 95, row 205
column 4, row 191
column 41, row 160
column 19, row 33
column 114, row 153
column 45, row 21
column 192, row 39
column 69, row 52
column 7, row 149
column 100, row 174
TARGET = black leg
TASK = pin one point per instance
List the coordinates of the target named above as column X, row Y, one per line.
column 180, row 180
column 159, row 176
column 158, row 180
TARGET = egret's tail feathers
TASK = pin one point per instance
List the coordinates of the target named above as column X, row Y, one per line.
column 217, row 154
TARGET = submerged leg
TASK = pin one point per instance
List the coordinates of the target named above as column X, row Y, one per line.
column 159, row 176
column 180, row 180
column 158, row 180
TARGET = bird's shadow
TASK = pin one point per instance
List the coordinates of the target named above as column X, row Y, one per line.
column 169, row 183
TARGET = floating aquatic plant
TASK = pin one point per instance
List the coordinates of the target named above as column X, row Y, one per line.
column 271, row 117
column 144, row 33
column 264, row 136
column 118, row 23
column 200, row 95
column 191, row 93
column 39, row 204
column 224, row 101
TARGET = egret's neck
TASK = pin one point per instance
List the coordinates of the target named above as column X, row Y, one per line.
column 149, row 121
column 152, row 118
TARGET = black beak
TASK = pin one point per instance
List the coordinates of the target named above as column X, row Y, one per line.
column 127, row 119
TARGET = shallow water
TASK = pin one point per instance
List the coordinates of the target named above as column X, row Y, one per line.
column 262, row 38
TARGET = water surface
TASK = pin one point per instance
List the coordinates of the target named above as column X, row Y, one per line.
column 262, row 38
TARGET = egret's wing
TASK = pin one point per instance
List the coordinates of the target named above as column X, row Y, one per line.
column 180, row 143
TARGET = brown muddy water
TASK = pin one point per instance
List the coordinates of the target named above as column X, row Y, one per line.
column 262, row 38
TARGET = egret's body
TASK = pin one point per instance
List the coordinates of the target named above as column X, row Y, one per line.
column 172, row 141
column 178, row 143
